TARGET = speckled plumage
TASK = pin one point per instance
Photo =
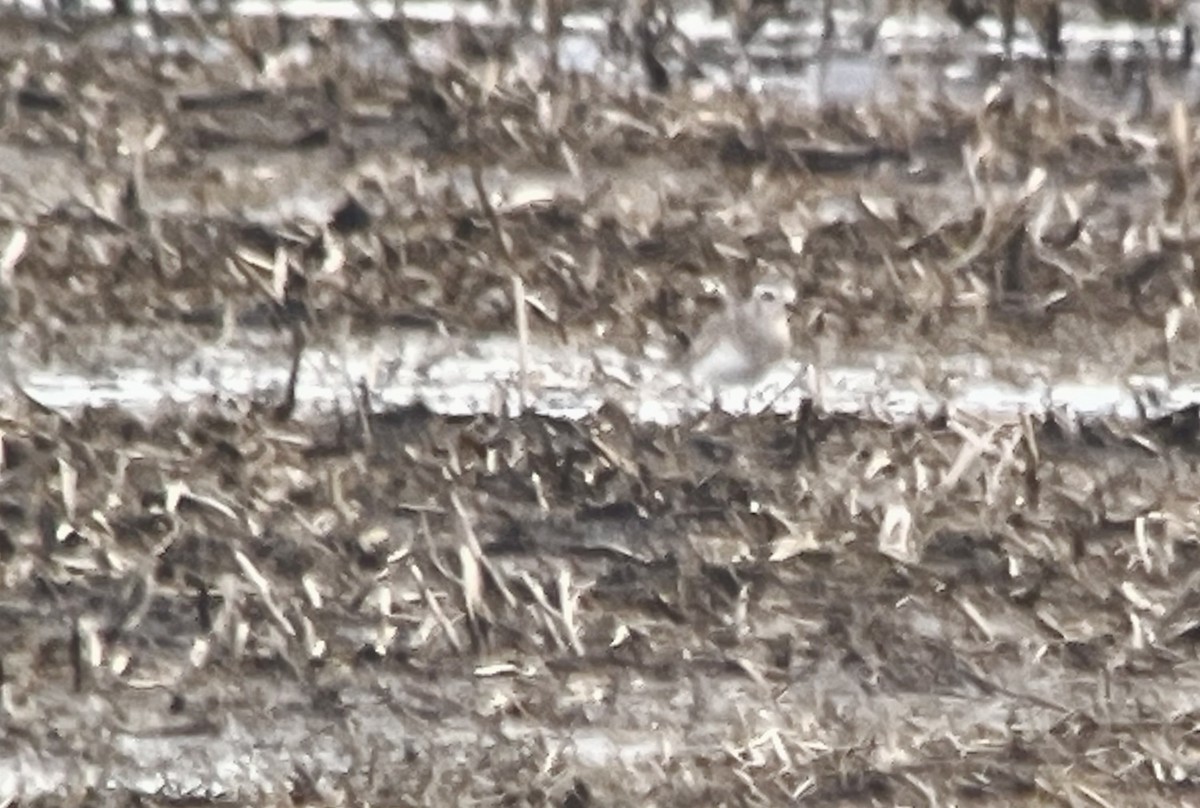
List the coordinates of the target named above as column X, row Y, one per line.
column 739, row 345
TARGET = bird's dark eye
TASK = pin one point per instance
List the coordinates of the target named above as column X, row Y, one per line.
column 767, row 296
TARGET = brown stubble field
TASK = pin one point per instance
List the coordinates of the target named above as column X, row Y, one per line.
column 224, row 602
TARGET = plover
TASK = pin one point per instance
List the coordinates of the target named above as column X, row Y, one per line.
column 739, row 345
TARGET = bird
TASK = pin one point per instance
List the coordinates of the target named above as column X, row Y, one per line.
column 738, row 345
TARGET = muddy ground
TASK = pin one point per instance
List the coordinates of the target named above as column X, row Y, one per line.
column 227, row 603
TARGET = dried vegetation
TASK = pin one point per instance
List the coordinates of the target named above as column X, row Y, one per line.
column 421, row 609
